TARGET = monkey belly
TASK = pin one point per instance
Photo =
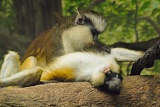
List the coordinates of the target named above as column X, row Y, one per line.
column 60, row 74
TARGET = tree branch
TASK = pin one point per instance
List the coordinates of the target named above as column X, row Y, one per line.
column 95, row 2
column 147, row 60
column 137, row 91
column 142, row 46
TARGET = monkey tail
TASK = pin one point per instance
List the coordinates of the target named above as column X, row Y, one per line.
column 122, row 54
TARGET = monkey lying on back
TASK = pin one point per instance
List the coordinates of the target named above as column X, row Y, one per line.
column 78, row 66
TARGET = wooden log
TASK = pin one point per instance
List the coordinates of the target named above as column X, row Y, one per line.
column 137, row 91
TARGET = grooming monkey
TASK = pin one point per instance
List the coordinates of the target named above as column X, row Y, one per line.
column 65, row 40
column 75, row 34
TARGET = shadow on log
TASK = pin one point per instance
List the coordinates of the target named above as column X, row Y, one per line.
column 137, row 91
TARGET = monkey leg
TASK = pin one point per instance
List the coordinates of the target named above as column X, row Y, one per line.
column 11, row 65
column 11, row 75
column 30, row 62
column 24, row 78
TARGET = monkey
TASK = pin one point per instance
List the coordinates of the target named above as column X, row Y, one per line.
column 93, row 67
column 77, row 33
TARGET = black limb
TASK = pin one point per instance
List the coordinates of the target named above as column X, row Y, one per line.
column 147, row 60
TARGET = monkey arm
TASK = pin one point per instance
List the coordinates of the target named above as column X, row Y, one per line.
column 102, row 47
column 147, row 60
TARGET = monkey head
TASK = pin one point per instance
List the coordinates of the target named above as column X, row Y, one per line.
column 112, row 82
column 93, row 20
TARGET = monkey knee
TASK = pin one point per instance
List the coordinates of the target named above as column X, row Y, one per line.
column 24, row 78
column 11, row 65
column 30, row 62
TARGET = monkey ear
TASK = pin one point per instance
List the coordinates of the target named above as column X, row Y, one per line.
column 80, row 20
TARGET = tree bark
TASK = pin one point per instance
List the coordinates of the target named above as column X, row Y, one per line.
column 148, row 59
column 137, row 91
column 35, row 16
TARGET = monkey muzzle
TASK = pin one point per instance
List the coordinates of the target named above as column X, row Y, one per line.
column 95, row 34
column 112, row 82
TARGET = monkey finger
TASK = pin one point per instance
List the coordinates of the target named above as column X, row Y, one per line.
column 106, row 70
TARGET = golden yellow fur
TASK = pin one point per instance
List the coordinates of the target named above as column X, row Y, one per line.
column 30, row 62
column 60, row 74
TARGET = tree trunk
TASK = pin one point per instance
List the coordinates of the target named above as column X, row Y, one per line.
column 137, row 91
column 35, row 16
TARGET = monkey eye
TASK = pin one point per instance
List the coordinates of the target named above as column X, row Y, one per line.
column 81, row 21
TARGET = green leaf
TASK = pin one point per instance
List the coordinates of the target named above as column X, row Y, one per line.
column 145, row 5
column 158, row 19
column 155, row 11
column 133, row 2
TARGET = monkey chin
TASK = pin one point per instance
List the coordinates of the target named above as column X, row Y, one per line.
column 112, row 82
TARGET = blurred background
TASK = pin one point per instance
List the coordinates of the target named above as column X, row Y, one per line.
column 133, row 24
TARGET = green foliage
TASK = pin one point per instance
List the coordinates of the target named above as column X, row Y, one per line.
column 69, row 6
column 120, row 15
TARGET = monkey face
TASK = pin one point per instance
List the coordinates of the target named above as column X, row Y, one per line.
column 93, row 20
column 112, row 82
